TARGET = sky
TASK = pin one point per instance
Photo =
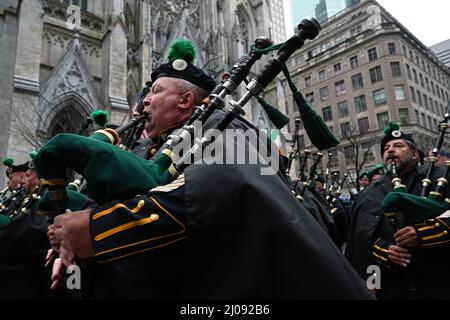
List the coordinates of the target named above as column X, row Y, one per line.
column 428, row 20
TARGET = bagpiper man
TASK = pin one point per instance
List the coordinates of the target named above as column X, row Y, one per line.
column 257, row 241
column 413, row 255
column 24, row 245
column 15, row 192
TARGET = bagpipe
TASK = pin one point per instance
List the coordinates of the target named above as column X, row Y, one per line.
column 295, row 146
column 429, row 204
column 132, row 131
column 27, row 203
column 15, row 197
column 334, row 194
column 106, row 182
column 307, row 181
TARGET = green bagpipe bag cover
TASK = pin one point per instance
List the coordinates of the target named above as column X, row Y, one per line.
column 110, row 172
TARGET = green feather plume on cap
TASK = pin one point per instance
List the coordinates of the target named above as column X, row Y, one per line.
column 181, row 49
column 33, row 155
column 392, row 126
column 8, row 162
column 100, row 117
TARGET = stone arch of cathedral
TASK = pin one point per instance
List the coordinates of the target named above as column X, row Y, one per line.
column 65, row 114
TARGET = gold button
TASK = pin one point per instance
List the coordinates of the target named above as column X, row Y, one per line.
column 436, row 225
column 445, row 232
column 153, row 151
column 154, row 217
column 141, row 203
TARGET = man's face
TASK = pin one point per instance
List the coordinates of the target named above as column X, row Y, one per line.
column 364, row 181
column 31, row 181
column 166, row 107
column 404, row 155
column 15, row 179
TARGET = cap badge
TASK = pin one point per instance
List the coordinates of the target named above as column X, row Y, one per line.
column 396, row 134
column 179, row 64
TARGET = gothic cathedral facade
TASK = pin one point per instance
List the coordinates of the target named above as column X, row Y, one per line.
column 62, row 59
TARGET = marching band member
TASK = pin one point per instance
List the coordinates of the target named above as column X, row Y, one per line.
column 408, row 270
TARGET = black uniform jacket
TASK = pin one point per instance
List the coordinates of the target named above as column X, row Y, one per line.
column 23, row 247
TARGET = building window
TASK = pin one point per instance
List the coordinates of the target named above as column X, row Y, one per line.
column 432, row 105
column 432, row 87
column 404, row 116
column 404, row 50
column 324, row 47
column 383, row 119
column 395, row 68
column 363, row 125
column 342, row 109
column 411, row 56
column 399, row 93
column 419, row 98
column 340, row 88
column 438, row 93
column 357, row 81
column 307, row 82
column 416, row 80
column 337, row 69
column 416, row 113
column 391, row 47
column 322, row 75
column 417, row 60
column 309, row 97
column 430, row 123
column 349, row 152
column 425, row 101
column 327, row 114
column 421, row 80
column 424, row 122
column 375, row 74
column 355, row 31
column 413, row 94
column 372, row 54
column 427, row 83
column 81, row 3
column 354, row 62
column 360, row 104
column 346, row 131
column 324, row 93
column 408, row 71
column 341, row 38
column 379, row 97
column 368, row 147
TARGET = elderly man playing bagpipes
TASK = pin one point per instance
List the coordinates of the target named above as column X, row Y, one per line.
column 398, row 224
column 213, row 231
